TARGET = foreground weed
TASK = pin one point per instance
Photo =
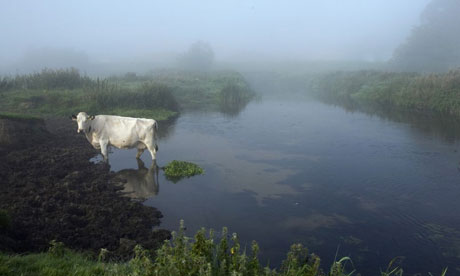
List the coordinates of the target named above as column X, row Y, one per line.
column 206, row 254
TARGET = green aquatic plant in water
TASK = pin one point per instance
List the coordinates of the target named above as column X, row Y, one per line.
column 176, row 170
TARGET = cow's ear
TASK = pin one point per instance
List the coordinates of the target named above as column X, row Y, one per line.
column 91, row 117
column 73, row 117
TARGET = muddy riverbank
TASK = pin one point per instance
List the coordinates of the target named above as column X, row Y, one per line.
column 52, row 191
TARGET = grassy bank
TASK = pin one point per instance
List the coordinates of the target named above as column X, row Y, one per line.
column 205, row 254
column 409, row 91
column 220, row 90
column 159, row 95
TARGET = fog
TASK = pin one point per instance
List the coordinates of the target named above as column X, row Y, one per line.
column 117, row 33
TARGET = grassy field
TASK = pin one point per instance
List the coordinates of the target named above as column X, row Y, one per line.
column 159, row 95
column 438, row 93
column 204, row 254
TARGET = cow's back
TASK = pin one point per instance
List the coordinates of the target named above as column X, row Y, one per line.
column 125, row 131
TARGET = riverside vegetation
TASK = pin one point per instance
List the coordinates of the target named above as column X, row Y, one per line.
column 437, row 93
column 182, row 255
column 159, row 95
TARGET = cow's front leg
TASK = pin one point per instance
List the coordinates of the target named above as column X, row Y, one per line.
column 104, row 153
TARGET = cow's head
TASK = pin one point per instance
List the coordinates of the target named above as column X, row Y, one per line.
column 83, row 121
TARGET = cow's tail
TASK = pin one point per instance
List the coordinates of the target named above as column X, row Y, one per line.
column 155, row 134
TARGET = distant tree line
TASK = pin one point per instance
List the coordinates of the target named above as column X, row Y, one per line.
column 434, row 45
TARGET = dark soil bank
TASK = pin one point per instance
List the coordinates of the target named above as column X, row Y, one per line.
column 52, row 192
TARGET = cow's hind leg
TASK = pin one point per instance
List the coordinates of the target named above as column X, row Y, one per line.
column 140, row 151
column 153, row 150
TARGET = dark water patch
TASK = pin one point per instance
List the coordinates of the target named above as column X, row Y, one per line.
column 283, row 172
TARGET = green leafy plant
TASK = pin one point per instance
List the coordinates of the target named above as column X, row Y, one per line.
column 57, row 249
column 176, row 170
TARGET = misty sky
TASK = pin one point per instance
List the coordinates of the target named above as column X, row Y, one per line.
column 309, row 29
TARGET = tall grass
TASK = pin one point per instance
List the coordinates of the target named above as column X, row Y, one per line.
column 432, row 93
column 162, row 93
column 62, row 92
column 207, row 253
column 46, row 79
column 105, row 96
column 233, row 98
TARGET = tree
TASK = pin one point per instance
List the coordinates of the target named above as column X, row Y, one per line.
column 199, row 56
column 434, row 45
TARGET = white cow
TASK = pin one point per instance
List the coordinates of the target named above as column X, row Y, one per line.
column 121, row 132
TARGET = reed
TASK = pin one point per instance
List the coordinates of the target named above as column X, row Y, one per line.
column 46, row 79
column 438, row 93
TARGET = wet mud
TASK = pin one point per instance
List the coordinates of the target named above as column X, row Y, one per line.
column 51, row 191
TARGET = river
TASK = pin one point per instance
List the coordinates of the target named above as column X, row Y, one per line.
column 286, row 171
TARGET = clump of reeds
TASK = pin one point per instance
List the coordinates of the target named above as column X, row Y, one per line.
column 46, row 79
column 412, row 91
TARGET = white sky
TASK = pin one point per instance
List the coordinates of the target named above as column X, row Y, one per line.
column 309, row 29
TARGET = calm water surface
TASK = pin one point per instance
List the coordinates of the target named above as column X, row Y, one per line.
column 303, row 171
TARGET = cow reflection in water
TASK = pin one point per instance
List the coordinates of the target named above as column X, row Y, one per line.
column 141, row 183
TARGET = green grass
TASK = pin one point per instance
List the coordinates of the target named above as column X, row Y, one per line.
column 69, row 78
column 207, row 253
column 196, row 90
column 48, row 264
column 176, row 170
column 438, row 93
column 158, row 114
column 160, row 95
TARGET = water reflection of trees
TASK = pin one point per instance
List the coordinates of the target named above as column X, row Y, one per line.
column 444, row 126
column 166, row 128
column 232, row 109
column 141, row 182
